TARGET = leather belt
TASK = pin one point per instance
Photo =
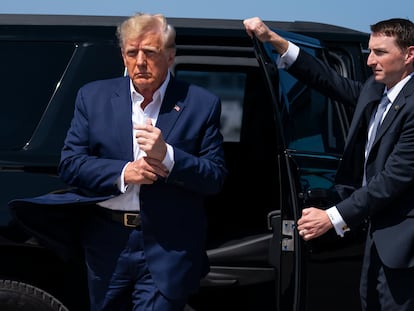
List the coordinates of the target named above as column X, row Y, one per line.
column 128, row 219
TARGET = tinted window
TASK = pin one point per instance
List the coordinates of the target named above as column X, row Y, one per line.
column 30, row 72
column 311, row 121
column 229, row 86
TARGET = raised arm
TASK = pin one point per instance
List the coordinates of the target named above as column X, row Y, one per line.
column 256, row 27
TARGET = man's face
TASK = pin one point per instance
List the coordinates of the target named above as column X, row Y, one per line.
column 387, row 61
column 147, row 61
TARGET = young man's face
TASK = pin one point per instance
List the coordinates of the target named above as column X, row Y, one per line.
column 388, row 62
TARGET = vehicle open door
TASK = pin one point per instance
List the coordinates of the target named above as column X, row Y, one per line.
column 322, row 274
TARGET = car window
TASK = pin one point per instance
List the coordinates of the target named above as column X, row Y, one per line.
column 30, row 73
column 229, row 86
column 311, row 121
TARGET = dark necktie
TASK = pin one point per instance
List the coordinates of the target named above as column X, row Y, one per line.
column 375, row 125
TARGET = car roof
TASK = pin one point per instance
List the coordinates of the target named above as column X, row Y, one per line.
column 203, row 23
column 84, row 27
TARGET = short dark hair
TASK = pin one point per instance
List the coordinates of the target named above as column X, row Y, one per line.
column 401, row 29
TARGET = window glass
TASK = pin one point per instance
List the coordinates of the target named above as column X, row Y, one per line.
column 311, row 121
column 229, row 86
column 30, row 72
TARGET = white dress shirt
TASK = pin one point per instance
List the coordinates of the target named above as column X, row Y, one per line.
column 129, row 199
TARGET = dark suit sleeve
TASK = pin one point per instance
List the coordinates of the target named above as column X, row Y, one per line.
column 90, row 156
column 317, row 74
column 391, row 175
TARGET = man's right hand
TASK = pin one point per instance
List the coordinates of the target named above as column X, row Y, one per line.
column 255, row 26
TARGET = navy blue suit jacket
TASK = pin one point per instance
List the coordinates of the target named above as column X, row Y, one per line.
column 99, row 144
column 387, row 199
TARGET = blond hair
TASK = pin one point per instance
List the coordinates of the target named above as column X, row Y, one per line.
column 141, row 23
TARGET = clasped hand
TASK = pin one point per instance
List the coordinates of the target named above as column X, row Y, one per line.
column 147, row 169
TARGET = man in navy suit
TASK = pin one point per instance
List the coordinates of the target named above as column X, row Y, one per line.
column 143, row 152
column 376, row 184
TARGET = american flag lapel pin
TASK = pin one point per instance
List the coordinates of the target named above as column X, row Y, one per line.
column 176, row 108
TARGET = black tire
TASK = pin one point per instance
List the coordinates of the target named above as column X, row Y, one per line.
column 17, row 296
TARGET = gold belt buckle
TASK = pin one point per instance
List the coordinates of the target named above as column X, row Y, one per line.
column 131, row 220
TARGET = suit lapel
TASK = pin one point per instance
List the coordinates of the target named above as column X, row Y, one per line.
column 121, row 107
column 172, row 106
column 122, row 110
column 396, row 106
column 366, row 104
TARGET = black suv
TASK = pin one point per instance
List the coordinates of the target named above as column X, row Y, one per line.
column 282, row 142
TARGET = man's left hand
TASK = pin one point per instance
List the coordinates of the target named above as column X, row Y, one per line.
column 313, row 223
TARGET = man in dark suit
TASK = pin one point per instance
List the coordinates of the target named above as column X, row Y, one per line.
column 143, row 152
column 376, row 184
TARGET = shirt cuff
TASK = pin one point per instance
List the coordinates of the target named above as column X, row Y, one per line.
column 120, row 181
column 289, row 57
column 337, row 221
column 169, row 158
